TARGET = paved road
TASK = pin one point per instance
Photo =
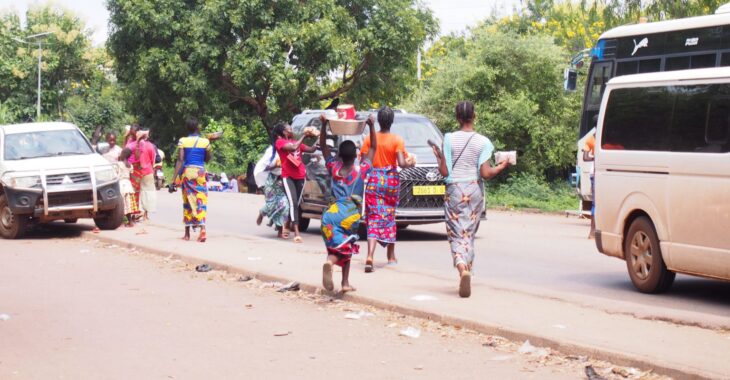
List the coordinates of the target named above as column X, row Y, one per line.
column 527, row 252
column 77, row 310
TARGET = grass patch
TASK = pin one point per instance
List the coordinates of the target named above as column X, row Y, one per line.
column 528, row 191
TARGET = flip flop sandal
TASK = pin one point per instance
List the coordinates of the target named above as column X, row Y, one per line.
column 369, row 267
column 298, row 239
column 465, row 284
column 202, row 238
column 327, row 276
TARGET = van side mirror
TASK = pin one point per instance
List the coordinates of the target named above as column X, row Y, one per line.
column 570, row 77
column 103, row 148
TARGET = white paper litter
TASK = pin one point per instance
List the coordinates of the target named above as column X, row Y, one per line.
column 500, row 358
column 424, row 297
column 411, row 332
column 562, row 327
column 352, row 316
column 529, row 349
column 4, row 317
column 84, row 251
column 254, row 259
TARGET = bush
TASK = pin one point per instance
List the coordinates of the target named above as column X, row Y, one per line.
column 529, row 191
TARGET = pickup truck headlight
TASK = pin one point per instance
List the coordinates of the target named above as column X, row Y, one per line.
column 107, row 174
column 15, row 180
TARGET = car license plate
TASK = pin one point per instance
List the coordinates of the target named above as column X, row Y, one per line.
column 429, row 190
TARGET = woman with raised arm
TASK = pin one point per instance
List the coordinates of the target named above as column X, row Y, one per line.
column 193, row 152
column 341, row 220
column 293, row 170
column 382, row 190
column 464, row 162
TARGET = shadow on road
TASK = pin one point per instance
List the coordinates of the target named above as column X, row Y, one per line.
column 56, row 230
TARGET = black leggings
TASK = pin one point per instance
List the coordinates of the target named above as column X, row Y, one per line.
column 293, row 188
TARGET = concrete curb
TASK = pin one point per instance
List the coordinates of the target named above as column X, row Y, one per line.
column 568, row 348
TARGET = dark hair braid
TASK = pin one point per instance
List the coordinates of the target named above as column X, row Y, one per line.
column 465, row 112
column 385, row 118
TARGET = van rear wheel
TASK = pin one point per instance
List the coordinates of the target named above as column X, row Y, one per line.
column 643, row 255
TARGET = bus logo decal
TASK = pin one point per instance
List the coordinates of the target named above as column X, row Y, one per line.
column 642, row 44
column 692, row 41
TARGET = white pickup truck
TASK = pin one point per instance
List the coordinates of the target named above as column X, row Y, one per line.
column 49, row 171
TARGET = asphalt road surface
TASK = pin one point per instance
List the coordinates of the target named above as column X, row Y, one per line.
column 543, row 254
column 74, row 309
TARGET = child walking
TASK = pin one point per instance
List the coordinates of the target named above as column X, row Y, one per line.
column 341, row 220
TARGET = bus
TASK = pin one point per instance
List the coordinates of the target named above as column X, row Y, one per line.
column 689, row 43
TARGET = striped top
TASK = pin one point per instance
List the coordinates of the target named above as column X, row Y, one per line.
column 194, row 147
column 478, row 150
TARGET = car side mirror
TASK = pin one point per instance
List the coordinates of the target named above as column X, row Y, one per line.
column 571, row 79
column 103, row 148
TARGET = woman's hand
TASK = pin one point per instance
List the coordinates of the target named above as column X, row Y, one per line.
column 370, row 121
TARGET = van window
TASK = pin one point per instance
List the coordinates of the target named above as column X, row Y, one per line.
column 637, row 119
column 669, row 118
column 701, row 119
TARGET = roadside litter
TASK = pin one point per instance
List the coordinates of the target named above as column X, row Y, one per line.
column 592, row 374
column 245, row 278
column 84, row 251
column 359, row 314
column 203, row 268
column 290, row 287
column 411, row 332
column 529, row 349
column 500, row 358
column 424, row 297
column 562, row 327
column 4, row 317
column 254, row 258
column 282, row 333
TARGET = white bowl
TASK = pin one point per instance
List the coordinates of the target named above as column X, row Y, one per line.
column 346, row 127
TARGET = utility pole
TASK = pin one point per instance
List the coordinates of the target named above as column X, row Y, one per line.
column 39, row 37
column 418, row 62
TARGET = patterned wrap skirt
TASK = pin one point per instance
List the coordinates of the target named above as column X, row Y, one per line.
column 382, row 193
column 194, row 188
column 135, row 177
column 276, row 207
column 340, row 223
column 130, row 204
column 464, row 205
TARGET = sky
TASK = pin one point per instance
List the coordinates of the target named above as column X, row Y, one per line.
column 453, row 15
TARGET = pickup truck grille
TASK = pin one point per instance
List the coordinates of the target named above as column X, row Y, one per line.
column 70, row 198
column 76, row 178
column 417, row 177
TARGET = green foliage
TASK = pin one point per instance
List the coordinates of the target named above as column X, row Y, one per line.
column 516, row 84
column 76, row 79
column 268, row 60
column 239, row 146
column 529, row 191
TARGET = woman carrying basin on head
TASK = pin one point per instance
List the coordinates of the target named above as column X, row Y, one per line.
column 383, row 187
column 464, row 162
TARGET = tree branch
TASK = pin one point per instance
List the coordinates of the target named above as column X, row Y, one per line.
column 348, row 82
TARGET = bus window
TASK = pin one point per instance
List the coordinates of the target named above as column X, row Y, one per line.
column 650, row 65
column 703, row 61
column 627, row 68
column 725, row 60
column 677, row 63
column 637, row 119
column 600, row 75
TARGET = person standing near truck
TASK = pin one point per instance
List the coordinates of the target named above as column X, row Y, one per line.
column 193, row 152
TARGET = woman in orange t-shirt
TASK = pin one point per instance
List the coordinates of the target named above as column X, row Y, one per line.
column 383, row 188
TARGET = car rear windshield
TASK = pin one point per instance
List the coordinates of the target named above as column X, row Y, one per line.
column 415, row 133
column 21, row 146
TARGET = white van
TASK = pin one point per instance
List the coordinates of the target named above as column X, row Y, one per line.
column 662, row 185
column 49, row 171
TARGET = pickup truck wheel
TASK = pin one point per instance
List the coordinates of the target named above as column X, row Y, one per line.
column 112, row 219
column 11, row 226
column 644, row 259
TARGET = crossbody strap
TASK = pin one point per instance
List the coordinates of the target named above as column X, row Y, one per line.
column 463, row 149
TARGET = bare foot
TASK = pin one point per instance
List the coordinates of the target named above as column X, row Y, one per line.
column 347, row 288
column 327, row 276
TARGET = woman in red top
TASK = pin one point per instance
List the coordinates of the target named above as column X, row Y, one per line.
column 383, row 188
column 293, row 170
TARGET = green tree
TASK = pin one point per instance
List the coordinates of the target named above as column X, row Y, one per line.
column 65, row 61
column 253, row 59
column 516, row 84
